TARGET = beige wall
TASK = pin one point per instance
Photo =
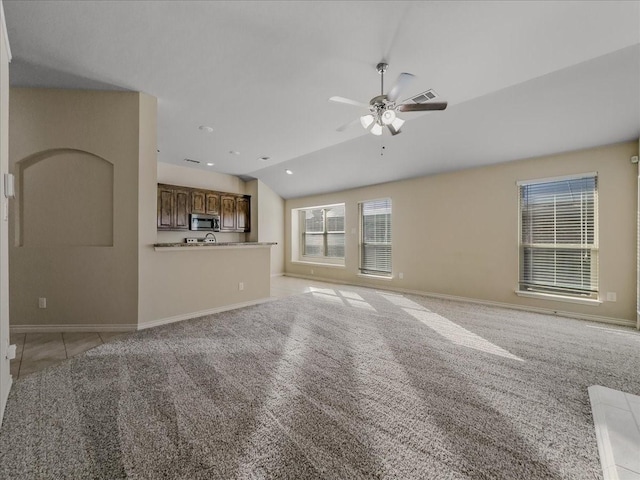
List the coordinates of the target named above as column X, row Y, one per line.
column 271, row 224
column 267, row 221
column 85, row 283
column 456, row 234
column 147, row 205
column 62, row 138
column 5, row 377
column 185, row 283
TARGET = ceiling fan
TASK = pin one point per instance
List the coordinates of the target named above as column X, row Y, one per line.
column 383, row 108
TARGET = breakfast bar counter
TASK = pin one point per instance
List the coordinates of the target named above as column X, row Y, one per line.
column 206, row 246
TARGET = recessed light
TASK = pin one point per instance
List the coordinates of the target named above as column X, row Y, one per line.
column 234, row 152
column 209, row 164
column 264, row 158
column 205, row 128
column 288, row 172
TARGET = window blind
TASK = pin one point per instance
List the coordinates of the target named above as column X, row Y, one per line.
column 323, row 234
column 375, row 248
column 558, row 242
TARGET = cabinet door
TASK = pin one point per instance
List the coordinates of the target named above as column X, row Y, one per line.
column 166, row 207
column 212, row 203
column 243, row 215
column 227, row 212
column 181, row 221
column 197, row 201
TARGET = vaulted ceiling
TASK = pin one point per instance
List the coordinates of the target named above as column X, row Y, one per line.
column 522, row 78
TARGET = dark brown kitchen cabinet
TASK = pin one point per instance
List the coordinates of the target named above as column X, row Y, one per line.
column 197, row 201
column 173, row 208
column 166, row 207
column 175, row 203
column 182, row 210
column 235, row 213
column 243, row 219
column 212, row 203
column 227, row 212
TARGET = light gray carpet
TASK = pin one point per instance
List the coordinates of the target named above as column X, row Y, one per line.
column 338, row 384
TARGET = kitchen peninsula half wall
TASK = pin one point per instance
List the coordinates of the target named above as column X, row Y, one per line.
column 193, row 280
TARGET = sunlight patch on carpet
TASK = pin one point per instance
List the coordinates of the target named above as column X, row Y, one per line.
column 446, row 328
column 342, row 297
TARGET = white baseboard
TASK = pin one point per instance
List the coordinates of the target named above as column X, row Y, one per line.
column 131, row 327
column 122, row 327
column 281, row 274
column 560, row 313
column 202, row 313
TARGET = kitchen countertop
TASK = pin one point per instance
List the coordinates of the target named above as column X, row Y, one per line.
column 206, row 246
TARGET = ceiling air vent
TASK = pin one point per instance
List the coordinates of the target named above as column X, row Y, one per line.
column 424, row 97
column 192, row 161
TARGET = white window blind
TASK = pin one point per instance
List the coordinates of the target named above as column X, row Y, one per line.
column 323, row 231
column 559, row 237
column 375, row 245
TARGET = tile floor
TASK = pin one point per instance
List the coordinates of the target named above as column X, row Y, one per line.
column 616, row 416
column 35, row 351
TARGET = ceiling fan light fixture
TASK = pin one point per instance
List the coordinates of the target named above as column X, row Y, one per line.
column 397, row 123
column 366, row 121
column 376, row 129
column 388, row 117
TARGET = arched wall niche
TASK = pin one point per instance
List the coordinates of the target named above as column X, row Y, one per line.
column 65, row 198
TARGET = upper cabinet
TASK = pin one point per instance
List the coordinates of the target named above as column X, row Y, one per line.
column 227, row 212
column 243, row 217
column 212, row 202
column 176, row 203
column 197, row 202
column 173, row 207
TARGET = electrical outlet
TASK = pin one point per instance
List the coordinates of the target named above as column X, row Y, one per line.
column 42, row 302
column 612, row 297
column 241, row 286
column 401, row 275
column 312, row 271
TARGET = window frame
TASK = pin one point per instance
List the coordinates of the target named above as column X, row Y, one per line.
column 319, row 259
column 558, row 295
column 361, row 243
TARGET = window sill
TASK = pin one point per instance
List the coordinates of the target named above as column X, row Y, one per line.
column 318, row 264
column 559, row 298
column 377, row 277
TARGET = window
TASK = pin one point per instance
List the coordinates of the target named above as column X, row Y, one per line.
column 322, row 233
column 375, row 244
column 559, row 237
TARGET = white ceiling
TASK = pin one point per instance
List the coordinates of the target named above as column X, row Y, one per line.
column 522, row 78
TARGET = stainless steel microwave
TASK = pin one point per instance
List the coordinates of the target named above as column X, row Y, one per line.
column 207, row 223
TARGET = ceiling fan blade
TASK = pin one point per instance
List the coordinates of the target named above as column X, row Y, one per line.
column 422, row 107
column 348, row 102
column 403, row 81
column 353, row 122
